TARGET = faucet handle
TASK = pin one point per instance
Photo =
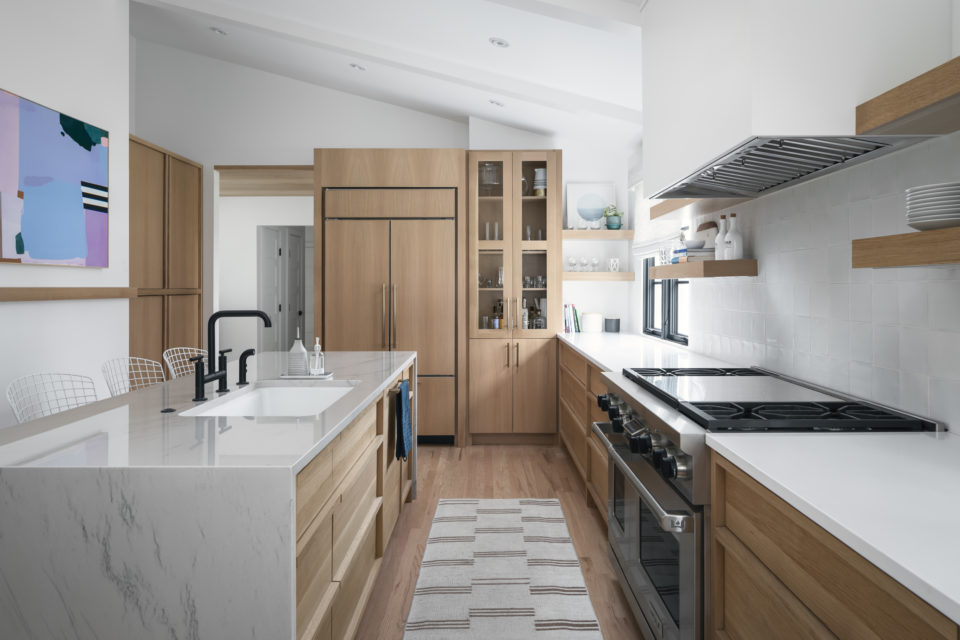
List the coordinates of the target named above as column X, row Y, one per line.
column 197, row 359
column 225, row 351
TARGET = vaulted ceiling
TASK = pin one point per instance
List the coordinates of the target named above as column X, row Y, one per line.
column 572, row 67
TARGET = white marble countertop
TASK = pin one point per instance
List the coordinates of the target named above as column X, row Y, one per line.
column 615, row 351
column 892, row 498
column 131, row 431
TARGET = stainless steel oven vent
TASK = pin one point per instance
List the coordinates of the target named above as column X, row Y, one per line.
column 762, row 165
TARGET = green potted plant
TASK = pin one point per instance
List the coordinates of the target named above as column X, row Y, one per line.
column 613, row 216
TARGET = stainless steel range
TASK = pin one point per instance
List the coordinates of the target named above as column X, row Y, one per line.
column 659, row 508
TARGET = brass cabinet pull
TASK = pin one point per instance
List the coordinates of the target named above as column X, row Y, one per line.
column 516, row 320
column 508, row 355
column 383, row 316
column 518, row 355
column 393, row 320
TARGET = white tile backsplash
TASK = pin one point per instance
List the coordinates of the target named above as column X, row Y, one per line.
column 891, row 335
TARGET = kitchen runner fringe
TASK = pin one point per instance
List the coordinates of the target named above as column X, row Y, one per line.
column 500, row 569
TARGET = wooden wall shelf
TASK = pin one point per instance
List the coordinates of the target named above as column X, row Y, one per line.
column 598, row 234
column 927, row 104
column 706, row 269
column 598, row 276
column 941, row 246
column 40, row 294
column 699, row 206
column 266, row 180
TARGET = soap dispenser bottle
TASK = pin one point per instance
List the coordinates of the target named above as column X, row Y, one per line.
column 317, row 360
column 297, row 360
column 733, row 241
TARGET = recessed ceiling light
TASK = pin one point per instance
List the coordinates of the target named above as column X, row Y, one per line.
column 358, row 67
column 499, row 42
column 218, row 31
column 496, row 103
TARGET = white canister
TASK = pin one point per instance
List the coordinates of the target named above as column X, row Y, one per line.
column 733, row 241
column 591, row 323
column 721, row 240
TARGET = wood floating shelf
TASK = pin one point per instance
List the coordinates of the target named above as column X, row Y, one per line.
column 44, row 294
column 706, row 269
column 266, row 180
column 598, row 276
column 927, row 104
column 698, row 206
column 598, row 234
column 940, row 246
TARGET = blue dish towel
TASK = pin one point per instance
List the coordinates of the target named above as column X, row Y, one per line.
column 404, row 427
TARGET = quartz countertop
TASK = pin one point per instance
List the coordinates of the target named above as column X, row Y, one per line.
column 617, row 351
column 892, row 498
column 131, row 431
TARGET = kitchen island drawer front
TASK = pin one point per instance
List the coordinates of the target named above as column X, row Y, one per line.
column 573, row 435
column 353, row 440
column 574, row 362
column 314, row 570
column 852, row 597
column 390, row 203
column 392, row 487
column 355, row 589
column 755, row 604
column 352, row 510
column 574, row 395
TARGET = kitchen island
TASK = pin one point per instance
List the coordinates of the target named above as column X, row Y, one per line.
column 127, row 519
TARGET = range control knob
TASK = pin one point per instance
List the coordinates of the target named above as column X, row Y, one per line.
column 668, row 467
column 613, row 412
column 659, row 453
column 640, row 442
column 617, row 424
column 603, row 401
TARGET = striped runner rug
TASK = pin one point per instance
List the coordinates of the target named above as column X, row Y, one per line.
column 500, row 569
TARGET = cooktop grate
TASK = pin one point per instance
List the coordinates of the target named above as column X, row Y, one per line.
column 800, row 416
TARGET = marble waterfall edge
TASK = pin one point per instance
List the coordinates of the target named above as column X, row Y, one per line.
column 147, row 553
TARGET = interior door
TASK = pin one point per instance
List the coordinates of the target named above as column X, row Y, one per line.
column 423, row 267
column 356, row 279
column 269, row 276
column 491, row 386
column 292, row 261
column 535, row 386
column 184, row 225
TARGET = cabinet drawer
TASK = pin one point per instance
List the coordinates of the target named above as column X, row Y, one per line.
column 597, row 383
column 353, row 440
column 599, row 477
column 574, row 395
column 597, row 414
column 572, row 433
column 574, row 362
column 314, row 574
column 391, row 499
column 852, row 597
column 754, row 603
column 325, row 630
column 358, row 496
column 389, row 203
column 350, row 598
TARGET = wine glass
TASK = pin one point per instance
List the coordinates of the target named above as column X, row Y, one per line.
column 595, row 262
column 584, row 264
column 573, row 263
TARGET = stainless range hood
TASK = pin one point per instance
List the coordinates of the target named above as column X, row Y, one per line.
column 762, row 165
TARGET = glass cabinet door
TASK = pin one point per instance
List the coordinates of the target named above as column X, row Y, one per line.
column 536, row 235
column 491, row 223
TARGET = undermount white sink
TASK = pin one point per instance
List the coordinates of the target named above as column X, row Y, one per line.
column 276, row 399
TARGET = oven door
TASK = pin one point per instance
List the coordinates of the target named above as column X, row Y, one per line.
column 656, row 538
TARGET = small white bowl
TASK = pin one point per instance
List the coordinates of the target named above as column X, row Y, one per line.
column 694, row 244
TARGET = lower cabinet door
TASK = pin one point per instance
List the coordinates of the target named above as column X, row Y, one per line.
column 437, row 409
column 491, row 386
column 535, row 386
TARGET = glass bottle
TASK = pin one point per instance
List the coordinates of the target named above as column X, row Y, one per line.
column 733, row 241
column 720, row 242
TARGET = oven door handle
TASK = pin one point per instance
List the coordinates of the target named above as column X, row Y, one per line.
column 669, row 522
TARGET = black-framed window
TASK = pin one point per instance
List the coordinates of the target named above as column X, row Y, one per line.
column 662, row 302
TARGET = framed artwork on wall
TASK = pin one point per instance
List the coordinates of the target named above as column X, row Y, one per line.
column 54, row 192
column 586, row 202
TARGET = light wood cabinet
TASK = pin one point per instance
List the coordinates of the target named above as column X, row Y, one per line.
column 777, row 574
column 166, row 229
column 513, row 386
column 391, row 284
column 514, row 243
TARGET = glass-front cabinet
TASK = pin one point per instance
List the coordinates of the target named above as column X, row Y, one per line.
column 515, row 244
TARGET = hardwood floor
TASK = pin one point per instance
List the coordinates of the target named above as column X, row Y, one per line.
column 494, row 471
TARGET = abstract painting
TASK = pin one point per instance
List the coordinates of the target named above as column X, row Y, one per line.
column 586, row 202
column 54, row 194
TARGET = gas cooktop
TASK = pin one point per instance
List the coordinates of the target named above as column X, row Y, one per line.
column 800, row 416
column 636, row 373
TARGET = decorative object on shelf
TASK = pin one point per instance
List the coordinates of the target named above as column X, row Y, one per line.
column 572, row 261
column 733, row 241
column 613, row 264
column 611, row 325
column 490, row 178
column 586, row 202
column 540, row 181
column 708, row 233
column 595, row 264
column 721, row 239
column 584, row 264
column 933, row 206
column 540, row 282
column 613, row 217
column 694, row 244
column 53, row 187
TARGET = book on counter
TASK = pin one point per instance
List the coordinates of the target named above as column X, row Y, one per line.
column 682, row 259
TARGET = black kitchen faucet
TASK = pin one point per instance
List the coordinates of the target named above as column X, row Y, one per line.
column 218, row 372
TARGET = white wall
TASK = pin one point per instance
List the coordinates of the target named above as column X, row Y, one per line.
column 485, row 134
column 956, row 28
column 891, row 335
column 215, row 113
column 716, row 73
column 237, row 239
column 71, row 57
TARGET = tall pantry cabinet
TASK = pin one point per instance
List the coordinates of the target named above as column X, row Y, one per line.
column 391, row 263
column 515, row 290
column 166, row 229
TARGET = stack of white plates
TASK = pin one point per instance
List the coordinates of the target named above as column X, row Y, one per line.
column 934, row 206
